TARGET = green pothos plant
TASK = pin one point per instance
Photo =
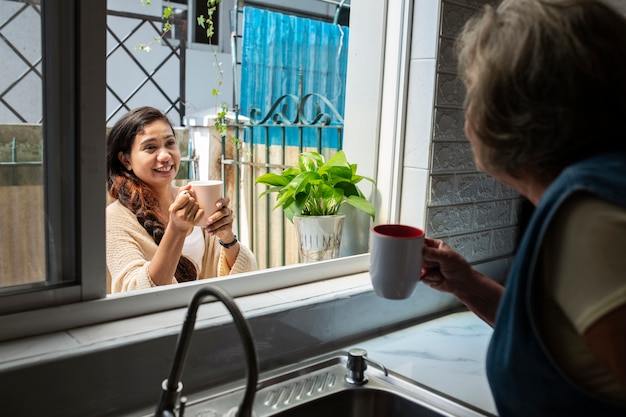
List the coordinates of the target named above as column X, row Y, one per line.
column 206, row 22
column 317, row 187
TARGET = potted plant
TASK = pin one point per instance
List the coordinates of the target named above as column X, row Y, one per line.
column 311, row 195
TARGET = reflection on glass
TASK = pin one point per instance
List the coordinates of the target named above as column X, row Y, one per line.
column 22, row 250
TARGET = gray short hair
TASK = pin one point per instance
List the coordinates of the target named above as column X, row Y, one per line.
column 546, row 83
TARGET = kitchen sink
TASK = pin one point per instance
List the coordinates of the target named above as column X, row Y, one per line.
column 365, row 402
column 319, row 388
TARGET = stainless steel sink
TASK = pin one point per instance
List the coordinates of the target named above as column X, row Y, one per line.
column 365, row 402
column 318, row 388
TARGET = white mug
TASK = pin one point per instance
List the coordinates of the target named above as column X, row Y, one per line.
column 395, row 260
column 207, row 192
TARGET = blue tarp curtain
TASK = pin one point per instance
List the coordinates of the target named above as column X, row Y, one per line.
column 276, row 48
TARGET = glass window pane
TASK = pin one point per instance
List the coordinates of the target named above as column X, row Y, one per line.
column 51, row 154
column 22, row 249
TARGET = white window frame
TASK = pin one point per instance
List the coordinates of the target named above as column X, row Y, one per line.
column 378, row 48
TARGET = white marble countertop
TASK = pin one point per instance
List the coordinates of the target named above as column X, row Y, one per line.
column 446, row 354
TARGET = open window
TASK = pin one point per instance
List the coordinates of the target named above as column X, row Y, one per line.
column 73, row 96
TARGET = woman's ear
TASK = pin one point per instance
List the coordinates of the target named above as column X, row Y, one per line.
column 124, row 160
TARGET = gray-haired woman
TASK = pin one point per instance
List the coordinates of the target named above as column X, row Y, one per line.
column 545, row 105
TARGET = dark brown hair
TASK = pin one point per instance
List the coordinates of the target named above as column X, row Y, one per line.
column 546, row 83
column 133, row 193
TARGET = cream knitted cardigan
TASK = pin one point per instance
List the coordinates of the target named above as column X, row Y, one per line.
column 129, row 250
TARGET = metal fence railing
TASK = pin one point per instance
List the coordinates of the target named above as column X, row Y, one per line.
column 269, row 143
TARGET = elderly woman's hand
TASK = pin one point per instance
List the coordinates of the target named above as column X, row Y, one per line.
column 444, row 268
column 220, row 223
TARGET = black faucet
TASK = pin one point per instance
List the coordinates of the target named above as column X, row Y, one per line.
column 172, row 386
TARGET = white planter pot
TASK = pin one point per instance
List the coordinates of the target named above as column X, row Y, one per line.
column 319, row 236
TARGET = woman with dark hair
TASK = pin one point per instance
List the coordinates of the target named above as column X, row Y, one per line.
column 544, row 111
column 150, row 234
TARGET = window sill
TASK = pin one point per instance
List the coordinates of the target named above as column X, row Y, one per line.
column 80, row 340
column 52, row 345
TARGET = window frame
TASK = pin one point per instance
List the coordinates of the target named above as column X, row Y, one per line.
column 73, row 163
column 82, row 125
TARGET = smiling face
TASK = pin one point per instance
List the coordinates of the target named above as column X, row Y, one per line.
column 154, row 155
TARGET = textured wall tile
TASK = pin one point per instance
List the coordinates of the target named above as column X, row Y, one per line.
column 452, row 157
column 474, row 246
column 454, row 17
column 493, row 214
column 486, row 187
column 449, row 125
column 475, row 187
column 475, row 214
column 461, row 188
column 450, row 91
column 442, row 190
column 446, row 60
column 449, row 220
column 468, row 188
column 476, row 3
column 504, row 191
column 504, row 241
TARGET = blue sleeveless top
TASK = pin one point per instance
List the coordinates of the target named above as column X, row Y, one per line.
column 524, row 379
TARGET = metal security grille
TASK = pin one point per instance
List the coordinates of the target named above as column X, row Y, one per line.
column 20, row 48
column 157, row 78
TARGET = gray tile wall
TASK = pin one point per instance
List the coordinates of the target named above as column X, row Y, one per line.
column 475, row 214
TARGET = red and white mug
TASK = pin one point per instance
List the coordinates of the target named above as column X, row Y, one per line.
column 395, row 260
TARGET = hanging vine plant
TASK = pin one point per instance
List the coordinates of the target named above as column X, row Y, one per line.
column 207, row 23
